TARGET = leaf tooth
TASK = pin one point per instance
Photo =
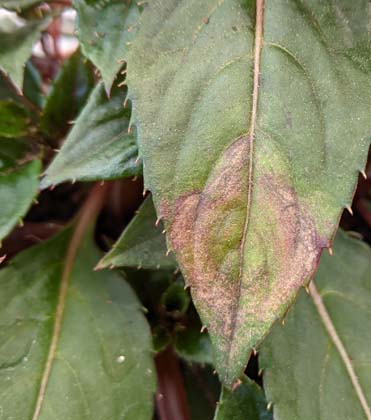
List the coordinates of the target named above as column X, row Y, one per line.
column 158, row 220
column 236, row 384
column 260, row 372
column 203, row 329
column 269, row 405
column 168, row 252
column 283, row 322
column 2, row 258
column 163, row 232
column 254, row 351
column 121, row 84
column 186, row 286
column 330, row 251
column 363, row 173
column 20, row 222
column 101, row 183
column 137, row 160
column 349, row 210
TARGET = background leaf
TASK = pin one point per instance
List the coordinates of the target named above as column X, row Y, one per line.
column 102, row 368
column 19, row 182
column 68, row 95
column 305, row 376
column 249, row 176
column 246, row 402
column 99, row 145
column 13, row 119
column 141, row 244
column 16, row 45
column 105, row 28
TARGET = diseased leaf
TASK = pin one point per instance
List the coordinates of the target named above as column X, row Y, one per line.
column 68, row 95
column 16, row 42
column 250, row 146
column 141, row 244
column 99, row 145
column 305, row 375
column 102, row 366
column 105, row 28
column 246, row 402
column 18, row 183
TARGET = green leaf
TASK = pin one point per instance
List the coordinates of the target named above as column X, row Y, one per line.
column 99, row 145
column 19, row 182
column 13, row 119
column 250, row 161
column 141, row 244
column 16, row 45
column 194, row 346
column 246, row 402
column 68, row 95
column 32, row 85
column 305, row 375
column 105, row 28
column 102, row 366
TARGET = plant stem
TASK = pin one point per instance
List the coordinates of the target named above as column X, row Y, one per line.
column 171, row 401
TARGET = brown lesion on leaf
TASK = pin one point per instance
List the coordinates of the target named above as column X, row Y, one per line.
column 242, row 286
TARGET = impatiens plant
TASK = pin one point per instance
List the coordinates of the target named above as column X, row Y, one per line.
column 173, row 174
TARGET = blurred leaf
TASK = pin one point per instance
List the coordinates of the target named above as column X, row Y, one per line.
column 161, row 338
column 203, row 390
column 141, row 244
column 68, row 95
column 14, row 119
column 175, row 298
column 18, row 4
column 99, row 145
column 102, row 367
column 32, row 85
column 16, row 45
column 19, row 182
column 304, row 373
column 246, row 402
column 194, row 346
column 105, row 27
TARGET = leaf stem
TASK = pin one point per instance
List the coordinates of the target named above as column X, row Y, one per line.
column 327, row 322
column 87, row 214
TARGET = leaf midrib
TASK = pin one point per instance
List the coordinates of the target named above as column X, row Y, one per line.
column 87, row 216
column 331, row 330
column 251, row 137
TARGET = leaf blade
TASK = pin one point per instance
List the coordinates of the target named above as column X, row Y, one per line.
column 196, row 164
column 343, row 288
column 99, row 146
column 99, row 358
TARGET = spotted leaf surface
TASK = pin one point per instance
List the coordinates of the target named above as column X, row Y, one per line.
column 253, row 122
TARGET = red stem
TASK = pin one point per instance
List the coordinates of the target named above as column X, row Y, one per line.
column 171, row 401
